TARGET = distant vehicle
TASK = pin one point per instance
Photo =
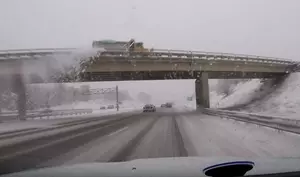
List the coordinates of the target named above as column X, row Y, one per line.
column 149, row 108
column 110, row 107
column 102, row 107
column 163, row 105
column 168, row 105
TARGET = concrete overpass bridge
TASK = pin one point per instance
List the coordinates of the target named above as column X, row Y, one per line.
column 158, row 60
column 174, row 64
column 116, row 65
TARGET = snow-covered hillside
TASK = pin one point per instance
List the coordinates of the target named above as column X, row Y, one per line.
column 282, row 99
column 242, row 93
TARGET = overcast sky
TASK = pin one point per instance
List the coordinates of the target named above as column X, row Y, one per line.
column 259, row 27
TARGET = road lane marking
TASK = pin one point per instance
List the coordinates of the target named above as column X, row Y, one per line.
column 118, row 131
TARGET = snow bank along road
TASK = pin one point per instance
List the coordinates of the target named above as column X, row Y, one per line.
column 166, row 133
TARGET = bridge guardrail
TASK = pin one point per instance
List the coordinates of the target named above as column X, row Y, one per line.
column 283, row 124
column 199, row 55
column 32, row 115
column 163, row 53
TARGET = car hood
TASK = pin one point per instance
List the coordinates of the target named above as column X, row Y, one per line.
column 162, row 167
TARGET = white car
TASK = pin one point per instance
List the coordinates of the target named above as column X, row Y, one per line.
column 149, row 108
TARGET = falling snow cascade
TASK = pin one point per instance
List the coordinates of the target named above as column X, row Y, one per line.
column 61, row 67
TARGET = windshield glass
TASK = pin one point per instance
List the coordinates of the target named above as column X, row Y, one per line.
column 111, row 81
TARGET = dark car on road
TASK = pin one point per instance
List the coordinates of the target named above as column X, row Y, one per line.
column 102, row 107
column 168, row 105
column 110, row 107
column 149, row 108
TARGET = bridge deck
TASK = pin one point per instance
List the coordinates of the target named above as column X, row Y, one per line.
column 166, row 75
column 158, row 63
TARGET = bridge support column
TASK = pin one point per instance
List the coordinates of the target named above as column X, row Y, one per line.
column 20, row 90
column 202, row 91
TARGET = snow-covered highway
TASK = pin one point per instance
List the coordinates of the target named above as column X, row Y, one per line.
column 173, row 132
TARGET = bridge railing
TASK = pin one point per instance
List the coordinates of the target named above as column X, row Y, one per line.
column 155, row 53
column 163, row 53
column 221, row 54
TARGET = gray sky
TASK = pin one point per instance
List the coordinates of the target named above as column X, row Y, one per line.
column 261, row 27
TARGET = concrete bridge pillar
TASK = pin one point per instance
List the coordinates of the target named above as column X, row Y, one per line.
column 202, row 91
column 20, row 89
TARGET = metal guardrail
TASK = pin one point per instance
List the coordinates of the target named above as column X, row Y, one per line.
column 174, row 54
column 155, row 53
column 283, row 124
column 40, row 114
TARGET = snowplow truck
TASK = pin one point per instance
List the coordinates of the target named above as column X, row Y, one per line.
column 136, row 46
column 131, row 46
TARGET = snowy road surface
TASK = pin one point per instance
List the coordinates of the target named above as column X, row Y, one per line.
column 50, row 121
column 166, row 133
